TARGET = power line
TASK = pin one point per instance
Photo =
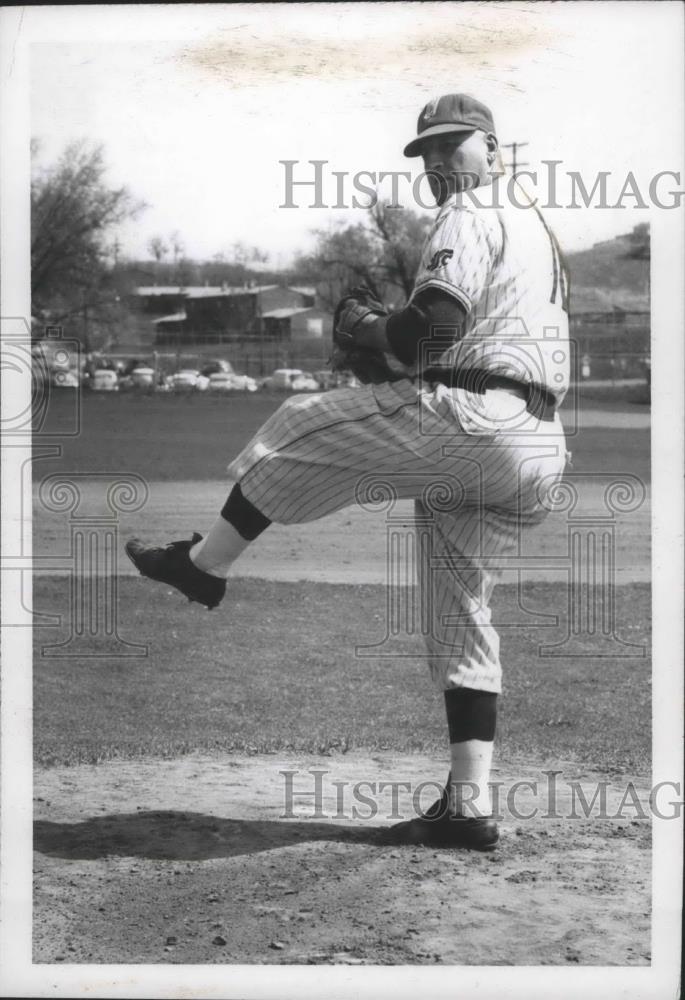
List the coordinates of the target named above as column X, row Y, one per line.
column 515, row 163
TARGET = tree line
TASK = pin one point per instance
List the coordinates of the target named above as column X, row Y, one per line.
column 79, row 275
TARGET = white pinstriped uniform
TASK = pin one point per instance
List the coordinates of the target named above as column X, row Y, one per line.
column 516, row 323
column 497, row 459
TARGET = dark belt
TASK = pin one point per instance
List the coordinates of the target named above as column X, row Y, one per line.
column 539, row 402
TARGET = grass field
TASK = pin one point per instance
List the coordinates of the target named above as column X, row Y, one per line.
column 165, row 437
column 274, row 669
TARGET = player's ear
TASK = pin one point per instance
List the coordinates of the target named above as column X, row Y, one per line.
column 492, row 147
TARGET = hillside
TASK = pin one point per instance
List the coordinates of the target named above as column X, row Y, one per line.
column 612, row 273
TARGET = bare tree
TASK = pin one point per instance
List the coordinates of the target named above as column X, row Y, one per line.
column 177, row 246
column 158, row 248
column 73, row 215
column 382, row 253
column 242, row 256
column 401, row 235
column 258, row 256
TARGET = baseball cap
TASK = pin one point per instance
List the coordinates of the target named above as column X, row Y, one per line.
column 450, row 113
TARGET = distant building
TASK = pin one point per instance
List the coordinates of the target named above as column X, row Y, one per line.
column 299, row 323
column 184, row 317
column 156, row 300
column 308, row 294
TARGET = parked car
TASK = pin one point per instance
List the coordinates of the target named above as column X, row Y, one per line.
column 305, row 382
column 143, row 377
column 217, row 366
column 130, row 366
column 286, row 380
column 189, row 380
column 104, row 380
column 281, row 379
column 99, row 363
column 64, row 378
column 230, row 382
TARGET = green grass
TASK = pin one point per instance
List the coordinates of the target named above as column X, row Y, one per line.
column 614, row 397
column 161, row 437
column 166, row 437
column 274, row 670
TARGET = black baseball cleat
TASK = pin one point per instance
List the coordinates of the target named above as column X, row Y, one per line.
column 436, row 827
column 173, row 565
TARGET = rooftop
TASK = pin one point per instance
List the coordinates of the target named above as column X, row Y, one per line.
column 173, row 318
column 200, row 291
column 216, row 291
column 284, row 313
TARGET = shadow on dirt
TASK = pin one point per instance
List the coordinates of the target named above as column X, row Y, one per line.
column 169, row 835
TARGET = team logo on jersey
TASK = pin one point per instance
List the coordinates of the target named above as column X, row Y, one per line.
column 439, row 259
column 430, row 109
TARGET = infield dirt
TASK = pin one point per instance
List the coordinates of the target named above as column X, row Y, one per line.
column 190, row 861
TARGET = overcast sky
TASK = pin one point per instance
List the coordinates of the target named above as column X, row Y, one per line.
column 196, row 104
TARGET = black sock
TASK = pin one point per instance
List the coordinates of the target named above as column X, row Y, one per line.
column 244, row 516
column 471, row 714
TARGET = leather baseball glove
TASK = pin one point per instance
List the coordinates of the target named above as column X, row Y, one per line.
column 359, row 307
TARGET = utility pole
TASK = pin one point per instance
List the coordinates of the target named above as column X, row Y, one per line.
column 86, row 337
column 515, row 164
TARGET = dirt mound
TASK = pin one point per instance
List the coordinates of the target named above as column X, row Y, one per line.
column 207, row 860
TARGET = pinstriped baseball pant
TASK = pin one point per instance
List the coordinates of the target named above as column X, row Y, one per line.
column 478, row 468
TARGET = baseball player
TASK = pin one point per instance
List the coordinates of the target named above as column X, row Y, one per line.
column 458, row 412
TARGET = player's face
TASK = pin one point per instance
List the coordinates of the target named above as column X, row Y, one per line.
column 457, row 161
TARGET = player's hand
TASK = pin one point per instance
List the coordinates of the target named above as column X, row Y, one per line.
column 355, row 312
column 351, row 317
column 358, row 309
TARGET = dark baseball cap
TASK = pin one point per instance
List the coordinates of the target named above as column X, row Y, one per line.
column 450, row 113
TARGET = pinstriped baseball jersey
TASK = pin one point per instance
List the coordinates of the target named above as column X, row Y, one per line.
column 504, row 267
column 493, row 461
column 319, row 453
